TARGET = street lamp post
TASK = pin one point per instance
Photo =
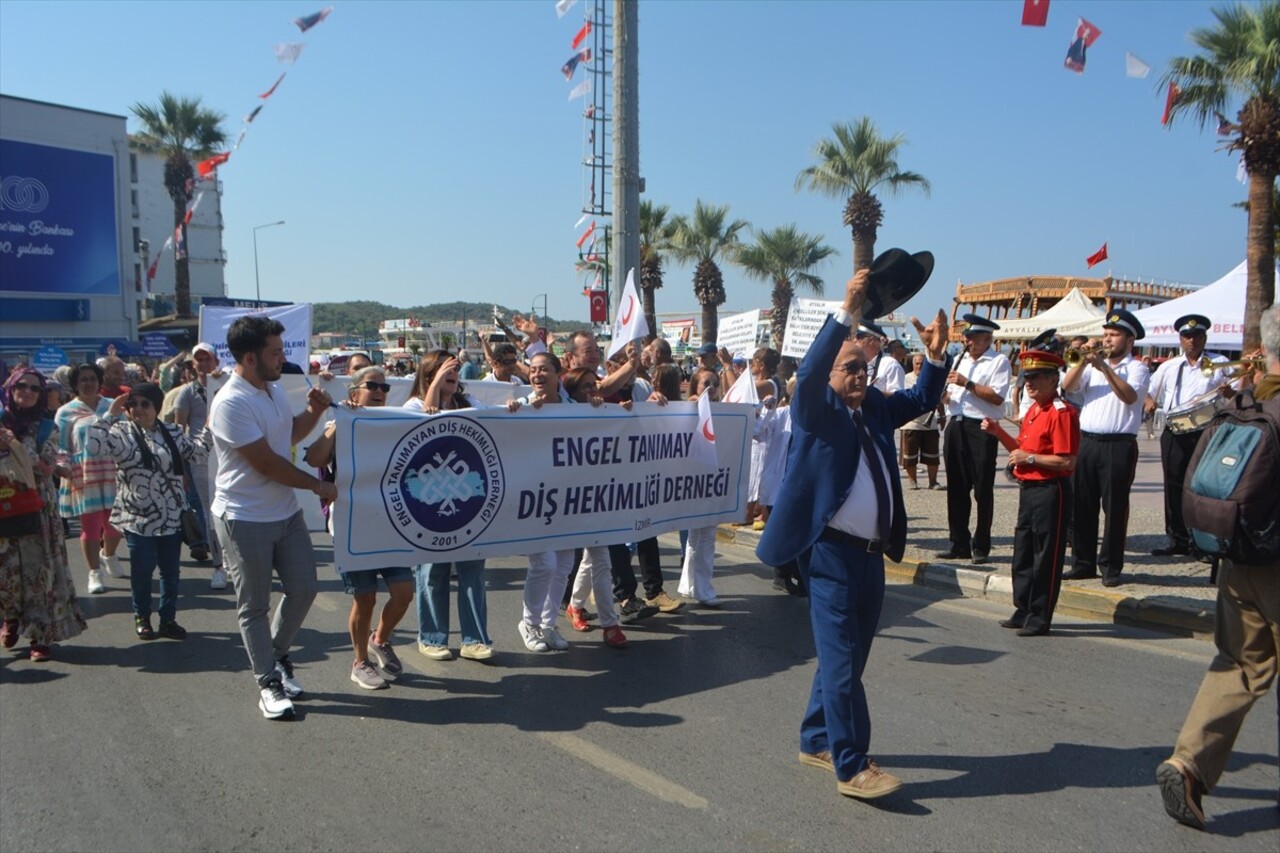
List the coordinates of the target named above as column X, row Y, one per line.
column 256, row 281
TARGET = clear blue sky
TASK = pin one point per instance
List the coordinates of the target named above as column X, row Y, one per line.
column 426, row 151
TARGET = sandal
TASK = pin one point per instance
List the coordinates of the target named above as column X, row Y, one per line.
column 40, row 653
column 142, row 627
column 9, row 634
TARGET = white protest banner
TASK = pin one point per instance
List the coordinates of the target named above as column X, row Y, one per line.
column 216, row 319
column 803, row 322
column 630, row 323
column 296, row 387
column 487, row 483
column 737, row 333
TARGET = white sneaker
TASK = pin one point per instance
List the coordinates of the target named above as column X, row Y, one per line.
column 111, row 564
column 434, row 652
column 552, row 638
column 532, row 637
column 218, row 580
column 274, row 703
column 292, row 686
column 476, row 651
column 95, row 583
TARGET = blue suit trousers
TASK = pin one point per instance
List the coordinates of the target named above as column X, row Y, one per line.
column 846, row 590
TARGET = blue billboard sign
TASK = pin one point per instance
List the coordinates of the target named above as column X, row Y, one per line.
column 57, row 221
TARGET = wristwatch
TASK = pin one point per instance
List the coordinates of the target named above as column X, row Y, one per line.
column 1031, row 460
column 968, row 385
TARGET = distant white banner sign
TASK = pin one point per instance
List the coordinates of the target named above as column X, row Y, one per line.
column 803, row 322
column 487, row 483
column 737, row 333
column 216, row 319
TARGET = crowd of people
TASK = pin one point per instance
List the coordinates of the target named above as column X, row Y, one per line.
column 122, row 456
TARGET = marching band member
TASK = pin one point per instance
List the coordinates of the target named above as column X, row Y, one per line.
column 1177, row 382
column 1112, row 387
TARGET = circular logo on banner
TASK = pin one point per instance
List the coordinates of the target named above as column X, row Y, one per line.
column 443, row 484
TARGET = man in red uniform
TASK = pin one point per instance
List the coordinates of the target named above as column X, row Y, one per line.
column 1042, row 457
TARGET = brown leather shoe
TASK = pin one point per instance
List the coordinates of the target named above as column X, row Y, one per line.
column 1180, row 791
column 821, row 760
column 869, row 784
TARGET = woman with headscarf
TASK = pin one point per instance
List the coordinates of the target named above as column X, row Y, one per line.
column 150, row 497
column 437, row 388
column 89, row 489
column 37, row 596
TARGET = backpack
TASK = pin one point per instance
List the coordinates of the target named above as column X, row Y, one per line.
column 1230, row 501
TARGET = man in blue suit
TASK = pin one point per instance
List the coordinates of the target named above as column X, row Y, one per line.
column 838, row 516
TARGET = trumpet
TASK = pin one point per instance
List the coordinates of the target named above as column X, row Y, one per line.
column 1075, row 355
column 1241, row 365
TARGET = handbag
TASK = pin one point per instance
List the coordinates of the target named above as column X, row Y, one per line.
column 188, row 521
column 20, row 501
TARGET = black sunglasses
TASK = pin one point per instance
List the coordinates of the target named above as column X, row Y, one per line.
column 34, row 389
column 384, row 387
column 852, row 367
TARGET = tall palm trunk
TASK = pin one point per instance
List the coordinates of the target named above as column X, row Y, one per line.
column 181, row 271
column 864, row 248
column 782, row 294
column 1261, row 289
column 710, row 323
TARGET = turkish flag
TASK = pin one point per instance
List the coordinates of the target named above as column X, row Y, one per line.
column 1035, row 13
column 1169, row 100
column 1097, row 257
column 599, row 307
column 206, row 167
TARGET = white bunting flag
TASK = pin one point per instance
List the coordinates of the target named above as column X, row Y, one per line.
column 1135, row 67
column 288, row 53
column 703, row 447
column 581, row 89
column 1242, row 174
column 742, row 391
column 630, row 323
column 563, row 6
column 581, row 220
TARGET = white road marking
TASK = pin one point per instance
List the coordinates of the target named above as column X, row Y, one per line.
column 325, row 603
column 615, row 765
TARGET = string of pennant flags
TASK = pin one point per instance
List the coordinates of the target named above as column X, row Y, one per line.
column 589, row 260
column 206, row 170
column 1035, row 13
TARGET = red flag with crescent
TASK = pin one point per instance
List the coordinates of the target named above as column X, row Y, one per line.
column 599, row 306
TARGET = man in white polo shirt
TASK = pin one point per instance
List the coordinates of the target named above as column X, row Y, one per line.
column 256, row 515
column 883, row 370
column 977, row 388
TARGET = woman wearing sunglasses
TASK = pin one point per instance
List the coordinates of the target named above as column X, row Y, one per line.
column 150, row 498
column 37, row 596
column 437, row 387
column 376, row 663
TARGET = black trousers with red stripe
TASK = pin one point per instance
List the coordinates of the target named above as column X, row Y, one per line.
column 1039, row 544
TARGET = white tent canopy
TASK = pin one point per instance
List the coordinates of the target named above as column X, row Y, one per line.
column 1222, row 302
column 1073, row 315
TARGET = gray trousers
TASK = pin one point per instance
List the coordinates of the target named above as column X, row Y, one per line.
column 251, row 550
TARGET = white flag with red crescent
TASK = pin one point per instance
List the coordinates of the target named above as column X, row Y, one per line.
column 629, row 324
column 703, row 447
column 743, row 390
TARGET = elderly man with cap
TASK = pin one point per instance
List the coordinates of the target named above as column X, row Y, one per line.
column 1043, row 457
column 1176, row 383
column 977, row 388
column 839, row 512
column 883, row 370
column 1111, row 386
column 1046, row 341
column 191, row 412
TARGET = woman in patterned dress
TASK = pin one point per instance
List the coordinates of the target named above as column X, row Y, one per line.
column 37, row 597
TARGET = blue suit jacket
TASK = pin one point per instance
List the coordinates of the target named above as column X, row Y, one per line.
column 826, row 450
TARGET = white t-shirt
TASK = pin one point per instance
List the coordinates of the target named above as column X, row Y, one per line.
column 241, row 414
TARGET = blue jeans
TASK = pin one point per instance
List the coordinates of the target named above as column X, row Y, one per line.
column 433, row 602
column 145, row 553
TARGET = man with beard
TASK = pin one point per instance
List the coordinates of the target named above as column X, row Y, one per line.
column 1112, row 387
column 1177, row 382
column 256, row 514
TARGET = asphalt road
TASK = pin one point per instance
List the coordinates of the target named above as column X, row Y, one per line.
column 685, row 741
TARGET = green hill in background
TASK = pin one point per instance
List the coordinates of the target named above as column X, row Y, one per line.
column 362, row 318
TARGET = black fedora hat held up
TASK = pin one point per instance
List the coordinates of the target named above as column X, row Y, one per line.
column 896, row 276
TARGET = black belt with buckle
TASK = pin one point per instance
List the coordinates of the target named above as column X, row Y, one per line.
column 839, row 537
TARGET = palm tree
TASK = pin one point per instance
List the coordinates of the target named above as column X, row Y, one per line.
column 655, row 238
column 786, row 257
column 856, row 163
column 1241, row 57
column 703, row 239
column 180, row 129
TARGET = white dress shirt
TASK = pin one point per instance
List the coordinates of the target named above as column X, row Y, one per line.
column 1101, row 411
column 887, row 374
column 991, row 369
column 1171, row 394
